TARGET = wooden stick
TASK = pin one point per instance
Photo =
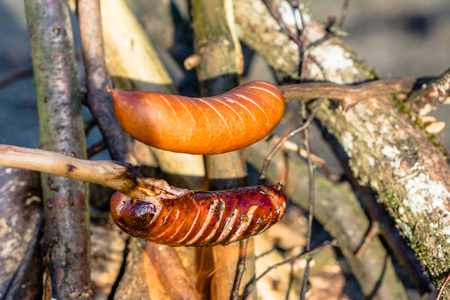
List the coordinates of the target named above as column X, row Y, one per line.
column 108, row 173
column 100, row 102
column 220, row 55
column 174, row 277
column 348, row 94
column 65, row 202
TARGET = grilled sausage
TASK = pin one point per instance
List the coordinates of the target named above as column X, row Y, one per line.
column 208, row 125
column 200, row 218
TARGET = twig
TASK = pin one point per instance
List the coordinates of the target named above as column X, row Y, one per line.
column 277, row 15
column 310, row 202
column 431, row 95
column 280, row 144
column 240, row 268
column 319, row 65
column 89, row 125
column 442, row 289
column 302, row 73
column 15, row 76
column 107, row 173
column 291, row 280
column 252, row 283
column 302, row 35
column 339, row 27
column 373, row 231
column 348, row 95
column 266, row 253
column 96, row 148
column 100, row 102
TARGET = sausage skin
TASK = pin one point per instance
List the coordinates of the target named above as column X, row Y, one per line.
column 208, row 125
column 200, row 218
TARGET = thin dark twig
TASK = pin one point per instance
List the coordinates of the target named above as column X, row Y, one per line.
column 280, row 144
column 319, row 65
column 371, row 234
column 339, row 27
column 442, row 289
column 240, row 268
column 311, row 204
column 277, row 15
column 343, row 15
column 100, row 102
column 291, row 280
column 265, row 253
column 96, row 148
column 89, row 125
column 305, row 55
column 15, row 76
column 310, row 162
column 302, row 34
column 252, row 283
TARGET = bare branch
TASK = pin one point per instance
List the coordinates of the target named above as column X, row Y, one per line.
column 348, row 94
column 100, row 102
column 107, row 173
column 431, row 95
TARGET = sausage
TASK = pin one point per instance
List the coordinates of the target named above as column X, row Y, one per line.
column 208, row 125
column 200, row 218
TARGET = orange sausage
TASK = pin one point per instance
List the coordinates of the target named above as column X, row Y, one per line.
column 200, row 218
column 208, row 125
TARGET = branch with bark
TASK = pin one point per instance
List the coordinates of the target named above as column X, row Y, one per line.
column 66, row 204
column 100, row 102
column 385, row 150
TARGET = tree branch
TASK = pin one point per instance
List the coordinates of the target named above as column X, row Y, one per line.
column 100, row 102
column 66, row 241
column 350, row 94
column 430, row 95
column 386, row 151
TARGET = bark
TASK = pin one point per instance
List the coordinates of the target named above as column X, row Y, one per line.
column 219, row 54
column 216, row 45
column 108, row 244
column 21, row 222
column 134, row 65
column 132, row 284
column 429, row 97
column 155, row 288
column 347, row 95
column 155, row 273
column 172, row 274
column 129, row 53
column 100, row 102
column 66, row 237
column 386, row 151
column 338, row 210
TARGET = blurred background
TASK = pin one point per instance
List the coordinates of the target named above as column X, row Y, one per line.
column 397, row 38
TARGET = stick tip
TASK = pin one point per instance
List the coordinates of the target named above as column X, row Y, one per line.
column 109, row 90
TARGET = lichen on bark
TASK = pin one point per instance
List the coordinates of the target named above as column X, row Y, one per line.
column 385, row 149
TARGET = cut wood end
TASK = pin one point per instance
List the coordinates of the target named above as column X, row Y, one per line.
column 191, row 62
